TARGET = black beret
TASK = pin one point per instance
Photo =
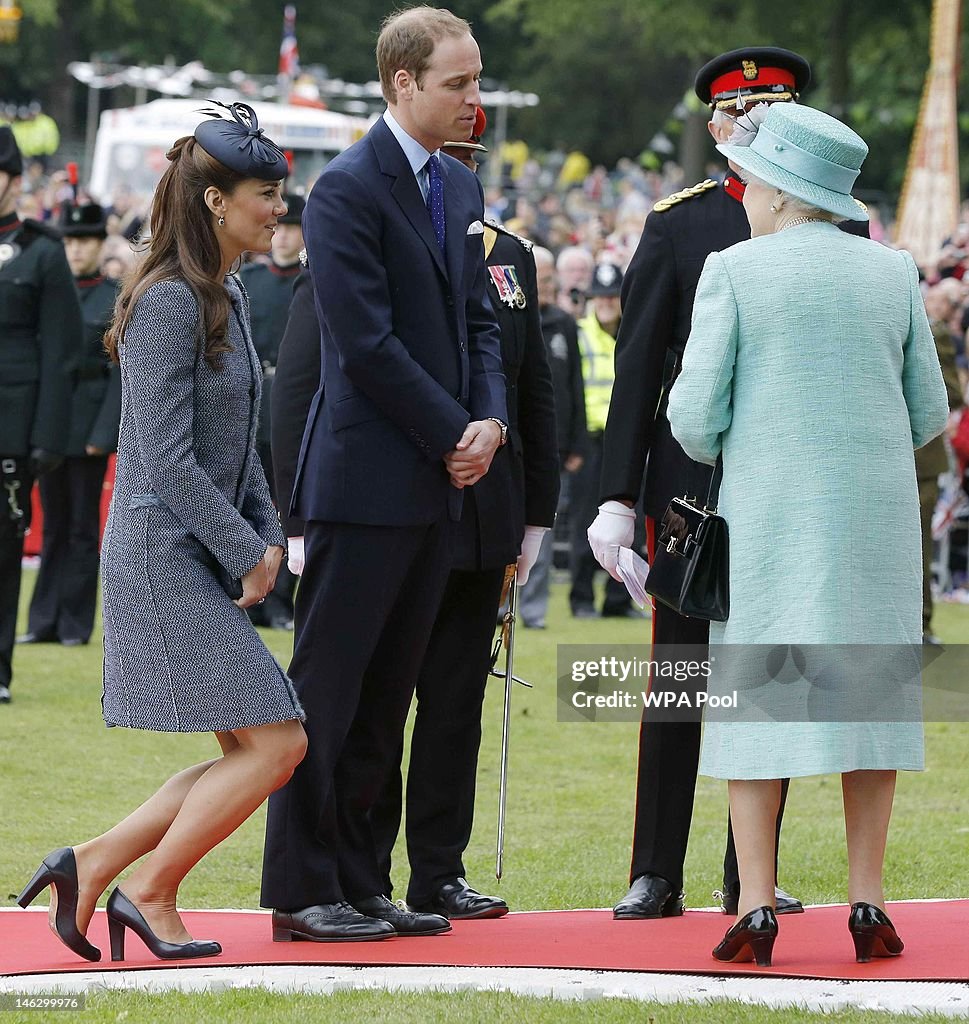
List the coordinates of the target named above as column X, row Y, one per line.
column 84, row 221
column 294, row 215
column 11, row 161
column 240, row 143
column 767, row 72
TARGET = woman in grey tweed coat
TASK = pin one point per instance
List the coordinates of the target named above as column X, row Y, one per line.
column 191, row 521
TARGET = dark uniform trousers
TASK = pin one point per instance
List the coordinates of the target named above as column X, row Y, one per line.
column 381, row 585
column 16, row 479
column 669, row 756
column 65, row 596
column 582, row 511
column 443, row 762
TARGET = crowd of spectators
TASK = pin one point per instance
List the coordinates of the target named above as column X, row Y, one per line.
column 565, row 204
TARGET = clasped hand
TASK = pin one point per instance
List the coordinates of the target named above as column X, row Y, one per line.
column 472, row 455
column 261, row 578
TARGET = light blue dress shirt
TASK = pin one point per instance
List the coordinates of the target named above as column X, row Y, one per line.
column 417, row 155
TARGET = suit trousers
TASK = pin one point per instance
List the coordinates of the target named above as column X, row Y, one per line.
column 669, row 756
column 17, row 481
column 66, row 593
column 583, row 509
column 364, row 611
column 444, row 745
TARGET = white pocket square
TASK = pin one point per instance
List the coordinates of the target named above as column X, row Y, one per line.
column 477, row 228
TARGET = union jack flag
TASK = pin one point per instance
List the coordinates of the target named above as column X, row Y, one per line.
column 288, row 50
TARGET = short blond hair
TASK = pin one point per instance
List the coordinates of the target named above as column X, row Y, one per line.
column 407, row 40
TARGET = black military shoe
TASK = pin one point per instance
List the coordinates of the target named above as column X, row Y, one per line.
column 459, row 902
column 405, row 922
column 649, row 897
column 328, row 922
column 785, row 903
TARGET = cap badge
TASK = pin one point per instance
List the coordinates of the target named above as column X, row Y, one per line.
column 750, row 70
column 8, row 252
column 606, row 274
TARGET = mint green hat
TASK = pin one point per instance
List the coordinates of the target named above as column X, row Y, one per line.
column 807, row 153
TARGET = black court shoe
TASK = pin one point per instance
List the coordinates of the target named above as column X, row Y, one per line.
column 873, row 933
column 122, row 913
column 751, row 938
column 59, row 871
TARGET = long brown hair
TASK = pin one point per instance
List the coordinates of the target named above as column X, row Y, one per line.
column 183, row 245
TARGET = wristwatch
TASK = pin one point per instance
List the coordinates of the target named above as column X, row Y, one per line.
column 504, row 430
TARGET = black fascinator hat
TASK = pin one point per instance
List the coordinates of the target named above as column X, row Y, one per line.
column 240, row 143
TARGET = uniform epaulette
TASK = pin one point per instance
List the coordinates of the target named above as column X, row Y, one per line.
column 526, row 243
column 684, row 194
column 43, row 229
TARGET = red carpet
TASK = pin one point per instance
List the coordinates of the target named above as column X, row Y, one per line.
column 815, row 944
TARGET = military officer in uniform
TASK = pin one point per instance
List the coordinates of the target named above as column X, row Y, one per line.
column 505, row 516
column 65, row 596
column 40, row 334
column 270, row 290
column 657, row 305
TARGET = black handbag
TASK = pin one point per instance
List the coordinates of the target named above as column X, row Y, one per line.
column 691, row 566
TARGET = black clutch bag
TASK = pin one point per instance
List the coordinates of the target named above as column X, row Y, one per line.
column 690, row 572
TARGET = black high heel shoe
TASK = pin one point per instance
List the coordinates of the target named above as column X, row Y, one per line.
column 122, row 913
column 751, row 938
column 59, row 871
column 873, row 933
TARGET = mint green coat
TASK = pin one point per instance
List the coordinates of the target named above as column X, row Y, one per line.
column 811, row 367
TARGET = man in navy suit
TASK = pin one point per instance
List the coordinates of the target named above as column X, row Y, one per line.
column 412, row 413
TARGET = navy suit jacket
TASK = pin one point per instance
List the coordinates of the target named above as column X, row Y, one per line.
column 410, row 344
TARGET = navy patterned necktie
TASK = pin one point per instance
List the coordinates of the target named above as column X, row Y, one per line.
column 435, row 198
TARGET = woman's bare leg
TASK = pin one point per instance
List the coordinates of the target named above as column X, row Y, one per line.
column 868, row 797
column 101, row 860
column 753, row 810
column 221, row 799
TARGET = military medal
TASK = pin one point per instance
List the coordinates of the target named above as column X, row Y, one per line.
column 505, row 291
column 518, row 293
column 510, row 291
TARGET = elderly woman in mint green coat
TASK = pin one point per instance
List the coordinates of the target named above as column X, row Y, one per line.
column 811, row 369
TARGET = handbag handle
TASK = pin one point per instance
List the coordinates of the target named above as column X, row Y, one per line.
column 713, row 491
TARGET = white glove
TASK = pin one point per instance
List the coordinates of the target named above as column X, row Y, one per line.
column 611, row 530
column 296, row 557
column 531, row 545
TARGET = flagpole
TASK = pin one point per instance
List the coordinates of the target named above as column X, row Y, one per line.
column 288, row 54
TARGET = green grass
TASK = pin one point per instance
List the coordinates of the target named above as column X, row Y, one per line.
column 407, row 1008
column 64, row 777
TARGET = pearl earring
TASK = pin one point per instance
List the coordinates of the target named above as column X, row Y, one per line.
column 222, row 220
column 773, row 209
